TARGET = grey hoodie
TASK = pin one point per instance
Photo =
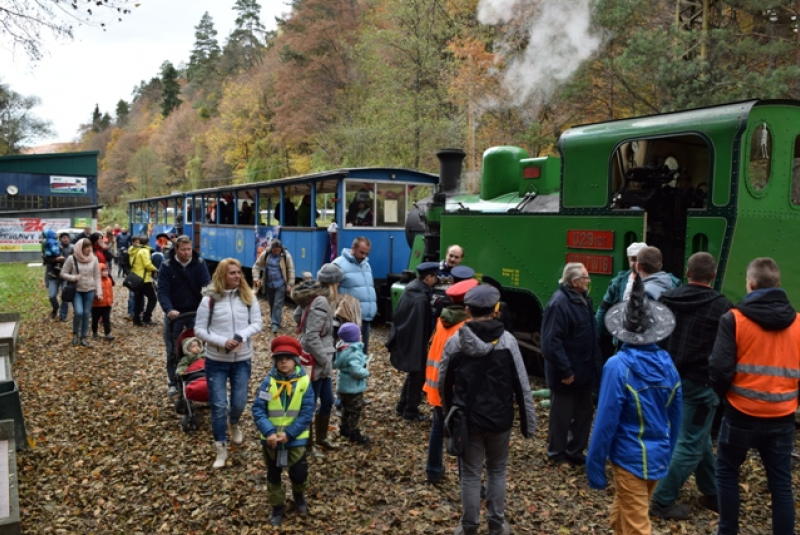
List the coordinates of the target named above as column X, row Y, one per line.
column 658, row 283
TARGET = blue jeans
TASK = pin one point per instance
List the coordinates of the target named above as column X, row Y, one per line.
column 774, row 442
column 275, row 298
column 169, row 342
column 53, row 287
column 82, row 305
column 323, row 391
column 435, row 466
column 131, row 302
column 693, row 452
column 217, row 374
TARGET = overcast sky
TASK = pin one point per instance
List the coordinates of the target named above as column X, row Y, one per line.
column 100, row 67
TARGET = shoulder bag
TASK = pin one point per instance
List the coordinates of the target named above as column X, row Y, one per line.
column 133, row 282
column 68, row 292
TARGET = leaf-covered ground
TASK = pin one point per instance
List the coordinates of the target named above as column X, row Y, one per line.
column 109, row 456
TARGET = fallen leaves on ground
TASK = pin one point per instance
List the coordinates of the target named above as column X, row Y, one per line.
column 109, row 456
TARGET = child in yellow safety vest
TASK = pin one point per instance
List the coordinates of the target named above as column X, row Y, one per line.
column 283, row 410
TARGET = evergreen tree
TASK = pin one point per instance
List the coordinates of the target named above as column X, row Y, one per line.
column 206, row 51
column 246, row 43
column 105, row 121
column 96, row 116
column 171, row 89
column 123, row 109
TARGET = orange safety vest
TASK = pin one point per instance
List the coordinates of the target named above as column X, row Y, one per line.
column 767, row 369
column 440, row 337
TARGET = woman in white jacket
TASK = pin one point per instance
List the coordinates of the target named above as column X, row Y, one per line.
column 227, row 319
column 86, row 273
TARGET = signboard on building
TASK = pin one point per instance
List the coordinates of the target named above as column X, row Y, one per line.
column 25, row 233
column 68, row 184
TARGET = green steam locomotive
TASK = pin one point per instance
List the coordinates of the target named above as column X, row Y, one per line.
column 723, row 179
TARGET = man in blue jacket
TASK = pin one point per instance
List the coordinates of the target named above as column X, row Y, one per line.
column 358, row 282
column 639, row 410
column 572, row 365
column 181, row 279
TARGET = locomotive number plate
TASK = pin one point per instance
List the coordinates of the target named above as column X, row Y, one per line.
column 599, row 264
column 590, row 239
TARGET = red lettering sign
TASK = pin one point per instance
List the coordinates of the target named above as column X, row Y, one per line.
column 599, row 264
column 590, row 239
column 532, row 172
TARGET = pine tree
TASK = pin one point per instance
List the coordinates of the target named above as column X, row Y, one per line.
column 96, row 116
column 105, row 121
column 247, row 41
column 123, row 109
column 206, row 51
column 171, row 89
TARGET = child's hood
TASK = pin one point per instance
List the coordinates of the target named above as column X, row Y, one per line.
column 188, row 341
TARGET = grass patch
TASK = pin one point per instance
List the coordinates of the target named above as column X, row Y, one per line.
column 22, row 290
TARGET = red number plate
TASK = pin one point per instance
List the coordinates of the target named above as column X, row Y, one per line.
column 599, row 264
column 590, row 239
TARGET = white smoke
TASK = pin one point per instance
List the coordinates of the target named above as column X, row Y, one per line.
column 559, row 36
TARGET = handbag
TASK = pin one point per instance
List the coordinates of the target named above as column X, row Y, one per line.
column 133, row 282
column 69, row 289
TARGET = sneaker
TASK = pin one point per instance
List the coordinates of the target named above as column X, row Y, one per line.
column 85, row 342
column 75, row 339
column 95, row 335
column 172, row 391
column 275, row 329
column 676, row 511
column 63, row 318
column 109, row 337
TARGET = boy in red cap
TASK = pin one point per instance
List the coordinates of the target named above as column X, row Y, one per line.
column 448, row 323
column 283, row 410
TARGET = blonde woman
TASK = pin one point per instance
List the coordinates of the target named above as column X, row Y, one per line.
column 227, row 320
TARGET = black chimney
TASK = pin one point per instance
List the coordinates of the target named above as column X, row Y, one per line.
column 450, row 168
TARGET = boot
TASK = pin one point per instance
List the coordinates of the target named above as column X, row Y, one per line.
column 344, row 431
column 358, row 438
column 236, row 434
column 499, row 529
column 461, row 530
column 311, row 451
column 300, row 504
column 321, row 423
column 75, row 339
column 222, row 454
column 85, row 342
column 277, row 515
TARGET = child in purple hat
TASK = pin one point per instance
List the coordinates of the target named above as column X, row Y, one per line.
column 352, row 365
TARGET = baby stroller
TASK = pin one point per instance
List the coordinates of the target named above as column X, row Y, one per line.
column 191, row 384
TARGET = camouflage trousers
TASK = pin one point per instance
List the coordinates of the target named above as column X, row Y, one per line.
column 351, row 410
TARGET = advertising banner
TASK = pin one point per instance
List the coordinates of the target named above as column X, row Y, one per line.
column 68, row 184
column 25, row 233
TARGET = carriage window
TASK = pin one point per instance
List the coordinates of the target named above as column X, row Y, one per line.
column 796, row 172
column 760, row 157
column 391, row 205
column 360, row 204
column 417, row 192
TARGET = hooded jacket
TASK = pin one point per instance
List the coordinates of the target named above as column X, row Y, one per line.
column 107, row 299
column 658, row 283
column 482, row 370
column 88, row 268
column 141, row 264
column 316, row 336
column 180, row 288
column 358, row 282
column 412, row 328
column 697, row 309
column 638, row 415
column 228, row 317
column 352, row 365
column 770, row 309
column 301, row 421
column 569, row 341
column 50, row 246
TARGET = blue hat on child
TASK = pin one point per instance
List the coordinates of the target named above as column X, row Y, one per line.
column 350, row 332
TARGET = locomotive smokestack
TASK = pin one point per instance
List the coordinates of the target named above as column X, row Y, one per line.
column 450, row 161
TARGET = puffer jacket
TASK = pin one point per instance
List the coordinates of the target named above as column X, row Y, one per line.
column 352, row 365
column 229, row 317
column 316, row 335
column 107, row 299
column 638, row 415
column 358, row 282
column 141, row 264
column 482, row 362
column 88, row 269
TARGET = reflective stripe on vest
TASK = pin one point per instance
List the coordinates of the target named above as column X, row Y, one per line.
column 767, row 369
column 282, row 417
column 440, row 337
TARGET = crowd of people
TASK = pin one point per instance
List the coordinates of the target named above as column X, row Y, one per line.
column 682, row 351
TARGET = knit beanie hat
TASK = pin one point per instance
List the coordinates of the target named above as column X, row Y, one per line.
column 330, row 273
column 350, row 333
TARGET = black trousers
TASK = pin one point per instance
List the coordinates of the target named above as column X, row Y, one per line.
column 103, row 313
column 148, row 291
column 411, row 395
column 570, row 424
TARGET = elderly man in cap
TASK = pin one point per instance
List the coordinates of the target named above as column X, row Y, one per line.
column 572, row 365
column 481, row 376
column 639, row 410
column 278, row 269
column 408, row 339
column 619, row 287
column 451, row 319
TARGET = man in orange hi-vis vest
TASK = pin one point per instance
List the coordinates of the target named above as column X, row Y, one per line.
column 451, row 319
column 755, row 367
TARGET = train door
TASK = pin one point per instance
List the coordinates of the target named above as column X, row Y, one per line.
column 667, row 178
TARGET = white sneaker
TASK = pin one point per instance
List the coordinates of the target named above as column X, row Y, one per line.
column 222, row 454
column 236, row 434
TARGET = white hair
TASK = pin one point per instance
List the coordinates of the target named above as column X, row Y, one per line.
column 572, row 271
